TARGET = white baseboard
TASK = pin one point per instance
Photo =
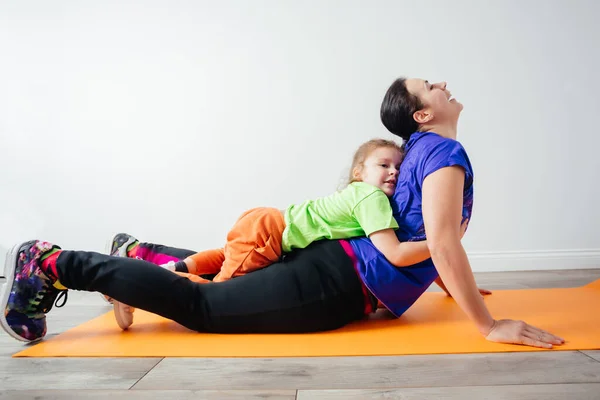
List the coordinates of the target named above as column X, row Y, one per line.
column 534, row 260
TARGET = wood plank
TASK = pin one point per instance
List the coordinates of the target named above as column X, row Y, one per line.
column 533, row 279
column 73, row 373
column 537, row 279
column 369, row 372
column 148, row 394
column 58, row 321
column 595, row 354
column 577, row 391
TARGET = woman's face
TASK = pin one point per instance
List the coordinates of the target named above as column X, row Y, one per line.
column 437, row 100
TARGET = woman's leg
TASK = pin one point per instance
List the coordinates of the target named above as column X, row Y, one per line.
column 314, row 289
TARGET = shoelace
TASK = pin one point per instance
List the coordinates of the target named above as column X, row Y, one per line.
column 48, row 297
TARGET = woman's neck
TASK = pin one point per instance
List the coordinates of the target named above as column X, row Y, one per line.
column 447, row 131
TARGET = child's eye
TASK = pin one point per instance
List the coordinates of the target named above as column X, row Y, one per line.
column 384, row 165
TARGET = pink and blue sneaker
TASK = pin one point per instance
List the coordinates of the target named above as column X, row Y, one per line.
column 29, row 292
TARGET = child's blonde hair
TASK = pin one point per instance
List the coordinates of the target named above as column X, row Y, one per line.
column 365, row 151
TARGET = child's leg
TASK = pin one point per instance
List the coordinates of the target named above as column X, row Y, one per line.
column 125, row 245
column 207, row 263
column 254, row 242
column 158, row 253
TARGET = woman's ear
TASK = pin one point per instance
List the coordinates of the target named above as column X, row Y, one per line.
column 423, row 116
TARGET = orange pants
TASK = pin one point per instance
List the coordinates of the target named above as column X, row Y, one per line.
column 254, row 242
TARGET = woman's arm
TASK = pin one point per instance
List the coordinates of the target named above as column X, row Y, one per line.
column 442, row 211
column 400, row 254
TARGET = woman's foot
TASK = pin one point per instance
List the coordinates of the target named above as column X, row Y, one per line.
column 30, row 291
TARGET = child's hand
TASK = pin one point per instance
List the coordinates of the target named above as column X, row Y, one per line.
column 519, row 332
column 463, row 227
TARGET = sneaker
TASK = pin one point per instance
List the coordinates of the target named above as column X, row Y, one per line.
column 117, row 247
column 29, row 292
column 123, row 314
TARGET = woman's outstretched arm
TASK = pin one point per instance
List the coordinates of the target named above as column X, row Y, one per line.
column 442, row 212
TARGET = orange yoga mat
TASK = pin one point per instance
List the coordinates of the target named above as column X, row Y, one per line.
column 434, row 325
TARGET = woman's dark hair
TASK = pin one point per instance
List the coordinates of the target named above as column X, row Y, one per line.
column 397, row 110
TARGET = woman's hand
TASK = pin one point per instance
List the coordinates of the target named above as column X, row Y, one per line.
column 482, row 292
column 519, row 332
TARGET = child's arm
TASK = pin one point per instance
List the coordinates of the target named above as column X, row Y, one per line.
column 401, row 254
column 205, row 262
column 404, row 254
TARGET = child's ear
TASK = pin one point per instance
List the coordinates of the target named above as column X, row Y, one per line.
column 356, row 172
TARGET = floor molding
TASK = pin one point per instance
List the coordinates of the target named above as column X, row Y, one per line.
column 534, row 260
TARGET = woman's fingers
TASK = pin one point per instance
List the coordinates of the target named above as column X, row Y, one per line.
column 527, row 341
column 541, row 335
column 519, row 332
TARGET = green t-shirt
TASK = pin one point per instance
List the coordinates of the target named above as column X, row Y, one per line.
column 358, row 210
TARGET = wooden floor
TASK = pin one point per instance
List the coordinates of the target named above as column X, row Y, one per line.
column 545, row 375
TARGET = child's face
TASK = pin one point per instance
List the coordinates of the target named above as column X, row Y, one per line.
column 381, row 169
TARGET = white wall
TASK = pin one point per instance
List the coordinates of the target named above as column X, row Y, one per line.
column 167, row 119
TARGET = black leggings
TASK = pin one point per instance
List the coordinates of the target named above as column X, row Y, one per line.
column 314, row 289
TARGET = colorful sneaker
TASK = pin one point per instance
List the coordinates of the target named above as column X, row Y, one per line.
column 117, row 247
column 29, row 292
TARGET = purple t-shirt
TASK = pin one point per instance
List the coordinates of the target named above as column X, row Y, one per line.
column 398, row 288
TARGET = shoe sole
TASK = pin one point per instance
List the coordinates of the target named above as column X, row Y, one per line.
column 9, row 273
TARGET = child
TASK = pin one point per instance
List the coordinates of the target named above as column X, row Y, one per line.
column 262, row 235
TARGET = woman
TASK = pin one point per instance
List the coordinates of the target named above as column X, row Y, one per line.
column 325, row 286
